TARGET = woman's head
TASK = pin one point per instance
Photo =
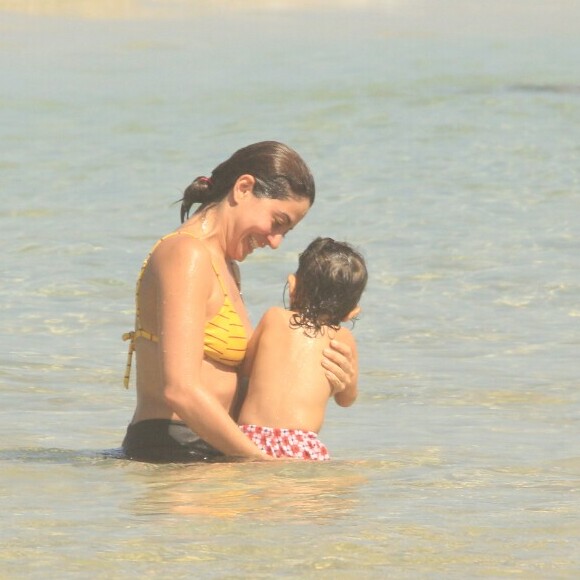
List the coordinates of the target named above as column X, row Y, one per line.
column 278, row 173
column 328, row 284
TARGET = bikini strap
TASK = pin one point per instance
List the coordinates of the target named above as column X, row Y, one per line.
column 131, row 336
column 222, row 286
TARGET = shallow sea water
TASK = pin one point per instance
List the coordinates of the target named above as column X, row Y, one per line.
column 445, row 142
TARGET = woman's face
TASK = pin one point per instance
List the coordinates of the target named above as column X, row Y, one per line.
column 264, row 222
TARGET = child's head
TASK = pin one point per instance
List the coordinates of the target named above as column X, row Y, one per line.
column 328, row 284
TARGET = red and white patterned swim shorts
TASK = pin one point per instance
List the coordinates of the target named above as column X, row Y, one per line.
column 287, row 442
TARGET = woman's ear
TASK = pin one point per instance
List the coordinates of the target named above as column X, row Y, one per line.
column 352, row 314
column 243, row 186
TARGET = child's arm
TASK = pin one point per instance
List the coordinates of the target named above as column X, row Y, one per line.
column 244, row 372
column 348, row 396
column 246, row 367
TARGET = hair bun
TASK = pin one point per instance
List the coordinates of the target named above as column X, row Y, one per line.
column 198, row 191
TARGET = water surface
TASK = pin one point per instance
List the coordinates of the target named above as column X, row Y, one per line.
column 445, row 142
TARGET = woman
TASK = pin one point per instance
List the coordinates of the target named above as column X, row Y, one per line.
column 192, row 328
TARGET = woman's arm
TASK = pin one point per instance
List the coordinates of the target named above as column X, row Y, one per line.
column 347, row 395
column 341, row 365
column 184, row 274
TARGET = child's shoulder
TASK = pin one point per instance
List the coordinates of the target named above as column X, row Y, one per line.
column 276, row 311
column 275, row 314
column 345, row 335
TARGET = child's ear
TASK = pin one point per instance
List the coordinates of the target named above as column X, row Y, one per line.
column 291, row 284
column 352, row 314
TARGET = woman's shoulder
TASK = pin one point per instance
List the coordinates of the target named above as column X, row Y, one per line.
column 182, row 242
column 180, row 250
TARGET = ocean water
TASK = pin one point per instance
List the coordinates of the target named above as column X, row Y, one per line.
column 445, row 142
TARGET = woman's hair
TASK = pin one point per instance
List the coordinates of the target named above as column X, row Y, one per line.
column 330, row 280
column 279, row 171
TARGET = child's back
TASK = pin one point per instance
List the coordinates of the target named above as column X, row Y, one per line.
column 288, row 387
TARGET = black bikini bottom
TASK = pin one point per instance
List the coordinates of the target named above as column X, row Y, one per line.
column 166, row 441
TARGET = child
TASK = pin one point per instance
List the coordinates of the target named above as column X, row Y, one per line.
column 288, row 389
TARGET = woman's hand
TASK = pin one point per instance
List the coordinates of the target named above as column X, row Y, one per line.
column 340, row 365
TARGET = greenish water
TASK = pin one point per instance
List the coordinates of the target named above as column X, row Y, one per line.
column 445, row 143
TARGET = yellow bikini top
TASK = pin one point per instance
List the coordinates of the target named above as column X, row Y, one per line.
column 224, row 340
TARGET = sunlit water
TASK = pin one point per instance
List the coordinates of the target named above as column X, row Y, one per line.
column 445, row 141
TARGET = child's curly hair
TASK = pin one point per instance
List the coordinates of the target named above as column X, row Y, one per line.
column 330, row 280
